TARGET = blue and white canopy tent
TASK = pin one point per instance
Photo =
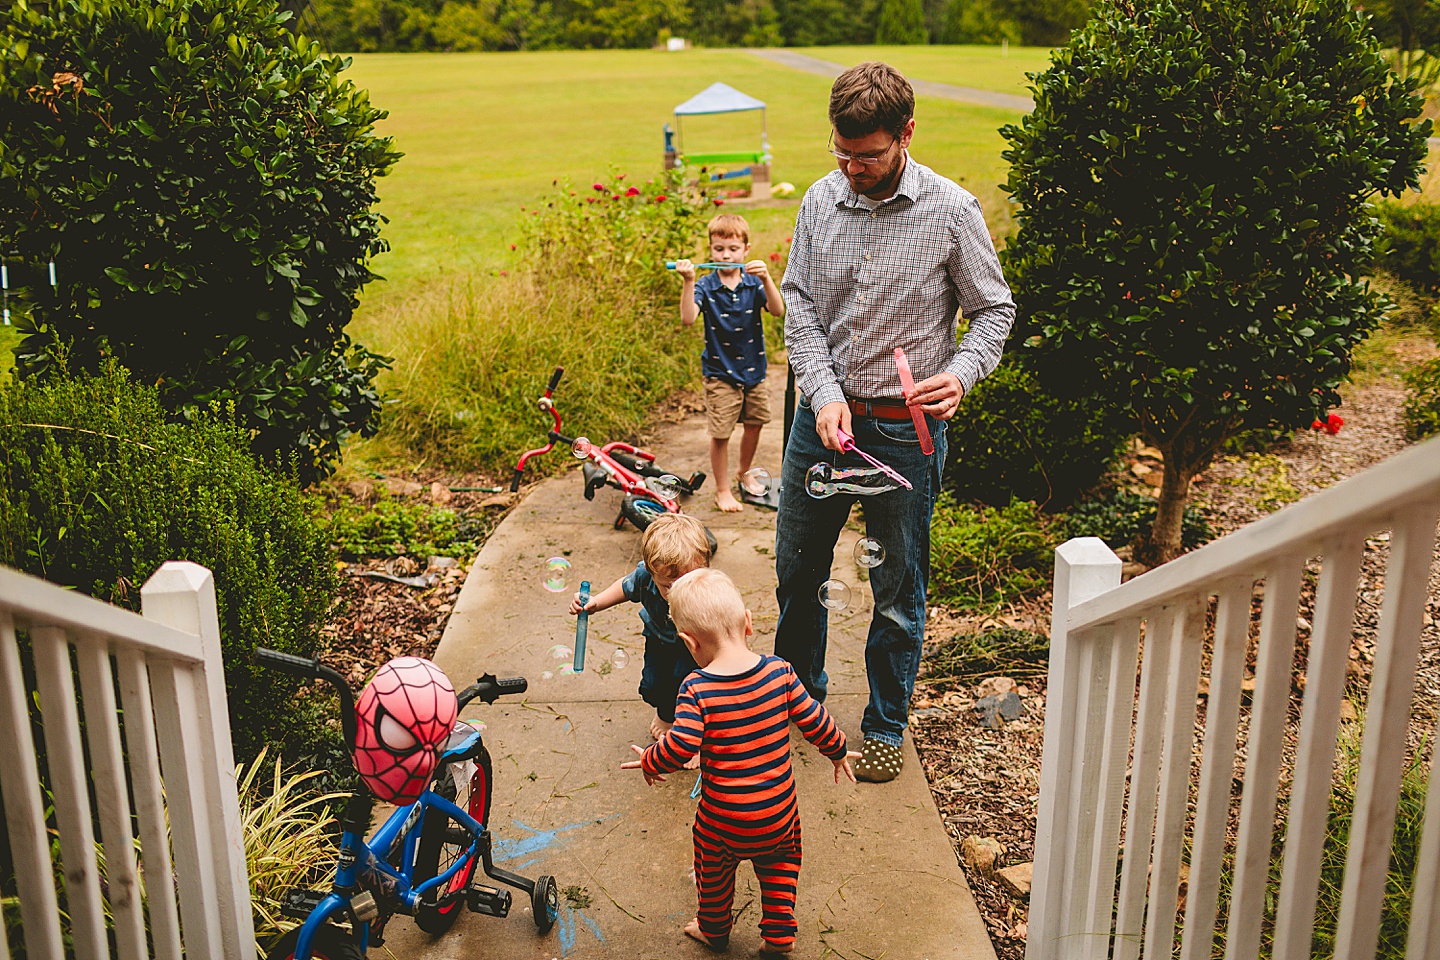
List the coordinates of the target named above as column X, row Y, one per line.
column 714, row 99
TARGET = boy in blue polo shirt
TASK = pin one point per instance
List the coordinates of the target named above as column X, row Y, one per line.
column 733, row 361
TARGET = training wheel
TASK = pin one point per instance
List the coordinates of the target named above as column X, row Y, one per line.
column 545, row 904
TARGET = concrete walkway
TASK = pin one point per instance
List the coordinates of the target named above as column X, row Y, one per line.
column 879, row 876
column 945, row 91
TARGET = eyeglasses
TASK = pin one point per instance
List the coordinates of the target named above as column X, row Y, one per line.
column 868, row 161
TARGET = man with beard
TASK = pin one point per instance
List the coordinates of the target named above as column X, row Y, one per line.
column 885, row 252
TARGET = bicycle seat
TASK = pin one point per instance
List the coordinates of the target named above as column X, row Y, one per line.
column 465, row 743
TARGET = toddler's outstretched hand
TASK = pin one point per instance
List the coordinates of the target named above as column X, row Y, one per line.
column 576, row 606
column 656, row 778
column 844, row 764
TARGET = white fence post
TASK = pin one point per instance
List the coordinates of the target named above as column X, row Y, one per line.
column 182, row 595
column 1084, row 568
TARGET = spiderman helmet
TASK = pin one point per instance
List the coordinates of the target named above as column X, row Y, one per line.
column 403, row 720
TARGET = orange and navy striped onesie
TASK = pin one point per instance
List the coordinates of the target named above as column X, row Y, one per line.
column 740, row 726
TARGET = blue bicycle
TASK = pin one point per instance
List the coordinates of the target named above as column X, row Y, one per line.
column 422, row 861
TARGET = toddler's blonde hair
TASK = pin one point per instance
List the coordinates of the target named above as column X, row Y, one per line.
column 706, row 603
column 674, row 544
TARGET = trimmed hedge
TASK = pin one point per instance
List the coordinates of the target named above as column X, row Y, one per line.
column 98, row 488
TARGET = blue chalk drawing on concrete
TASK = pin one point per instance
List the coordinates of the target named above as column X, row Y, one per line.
column 566, row 928
column 594, row 927
column 538, row 840
column 528, row 863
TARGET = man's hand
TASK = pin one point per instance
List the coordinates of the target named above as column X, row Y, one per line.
column 685, row 269
column 637, row 765
column 938, row 396
column 758, row 268
column 828, row 418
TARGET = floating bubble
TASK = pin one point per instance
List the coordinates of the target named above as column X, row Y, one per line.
column 560, row 651
column 666, row 487
column 823, row 480
column 581, row 448
column 567, row 670
column 557, row 574
column 756, row 481
column 546, row 675
column 619, row 658
column 869, row 553
column 834, row 595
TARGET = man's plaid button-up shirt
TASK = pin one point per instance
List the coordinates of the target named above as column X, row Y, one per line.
column 862, row 281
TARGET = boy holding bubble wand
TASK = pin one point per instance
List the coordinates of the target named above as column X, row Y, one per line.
column 735, row 713
column 672, row 546
column 733, row 361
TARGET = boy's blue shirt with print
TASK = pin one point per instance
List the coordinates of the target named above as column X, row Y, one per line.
column 734, row 331
column 667, row 660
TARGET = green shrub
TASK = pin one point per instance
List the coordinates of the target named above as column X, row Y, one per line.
column 391, row 528
column 202, row 180
column 986, row 556
column 1011, row 439
column 597, row 300
column 1410, row 246
column 1121, row 518
column 1422, row 401
column 974, row 656
column 98, row 488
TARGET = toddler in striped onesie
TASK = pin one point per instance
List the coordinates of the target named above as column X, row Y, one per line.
column 735, row 711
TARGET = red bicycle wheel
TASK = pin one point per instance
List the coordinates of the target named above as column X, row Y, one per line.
column 443, row 841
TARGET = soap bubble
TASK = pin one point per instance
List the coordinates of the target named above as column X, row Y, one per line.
column 666, row 487
column 619, row 658
column 834, row 595
column 869, row 552
column 546, row 675
column 560, row 651
column 581, row 448
column 823, row 480
column 568, row 670
column 557, row 574
column 756, row 481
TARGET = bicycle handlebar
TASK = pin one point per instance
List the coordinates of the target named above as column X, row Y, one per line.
column 490, row 689
column 554, row 380
column 312, row 669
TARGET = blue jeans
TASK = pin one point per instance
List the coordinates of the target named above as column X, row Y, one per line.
column 806, row 530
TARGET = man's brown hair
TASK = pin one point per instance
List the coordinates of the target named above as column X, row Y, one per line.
column 868, row 97
column 730, row 226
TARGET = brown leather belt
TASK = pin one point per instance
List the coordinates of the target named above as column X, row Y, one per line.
column 879, row 409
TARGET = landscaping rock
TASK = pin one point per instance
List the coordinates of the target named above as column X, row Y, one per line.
column 361, row 490
column 1016, row 880
column 981, row 854
column 996, row 687
column 994, row 711
column 440, row 494
column 402, row 488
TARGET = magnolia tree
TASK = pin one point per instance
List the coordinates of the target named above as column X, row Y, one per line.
column 1194, row 221
column 203, row 182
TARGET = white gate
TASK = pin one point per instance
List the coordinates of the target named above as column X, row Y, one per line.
column 1091, row 899
column 165, row 743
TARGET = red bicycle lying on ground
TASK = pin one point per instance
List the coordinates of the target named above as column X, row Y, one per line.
column 649, row 491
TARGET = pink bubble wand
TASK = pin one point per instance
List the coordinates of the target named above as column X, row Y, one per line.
column 847, row 443
column 907, row 381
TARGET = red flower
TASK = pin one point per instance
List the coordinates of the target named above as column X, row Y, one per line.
column 1317, row 425
column 512, row 246
column 615, row 196
column 775, row 257
column 504, row 273
column 633, row 192
column 600, row 187
column 717, row 201
column 788, row 239
column 1333, row 423
column 660, row 198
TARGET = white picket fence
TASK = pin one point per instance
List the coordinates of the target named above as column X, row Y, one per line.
column 1093, row 899
column 167, row 746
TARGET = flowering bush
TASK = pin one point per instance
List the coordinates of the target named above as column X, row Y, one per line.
column 1330, row 424
column 1422, row 403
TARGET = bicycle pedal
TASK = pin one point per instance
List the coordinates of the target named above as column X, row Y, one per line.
column 489, row 900
column 298, row 903
column 696, row 481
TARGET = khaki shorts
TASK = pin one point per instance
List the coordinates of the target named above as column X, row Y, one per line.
column 727, row 404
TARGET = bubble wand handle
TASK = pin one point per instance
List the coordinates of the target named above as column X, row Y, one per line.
column 907, row 382
column 670, row 265
column 847, row 443
column 582, row 626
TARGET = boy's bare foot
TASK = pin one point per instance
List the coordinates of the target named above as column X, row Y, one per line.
column 692, row 930
column 658, row 728
column 768, row 949
column 726, row 501
column 754, row 490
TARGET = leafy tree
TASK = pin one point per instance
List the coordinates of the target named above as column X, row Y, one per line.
column 812, row 23
column 901, row 21
column 202, row 180
column 976, row 21
column 1043, row 22
column 734, row 23
column 1412, row 27
column 1194, row 221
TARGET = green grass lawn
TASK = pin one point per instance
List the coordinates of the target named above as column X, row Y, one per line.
column 985, row 68
column 486, row 133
